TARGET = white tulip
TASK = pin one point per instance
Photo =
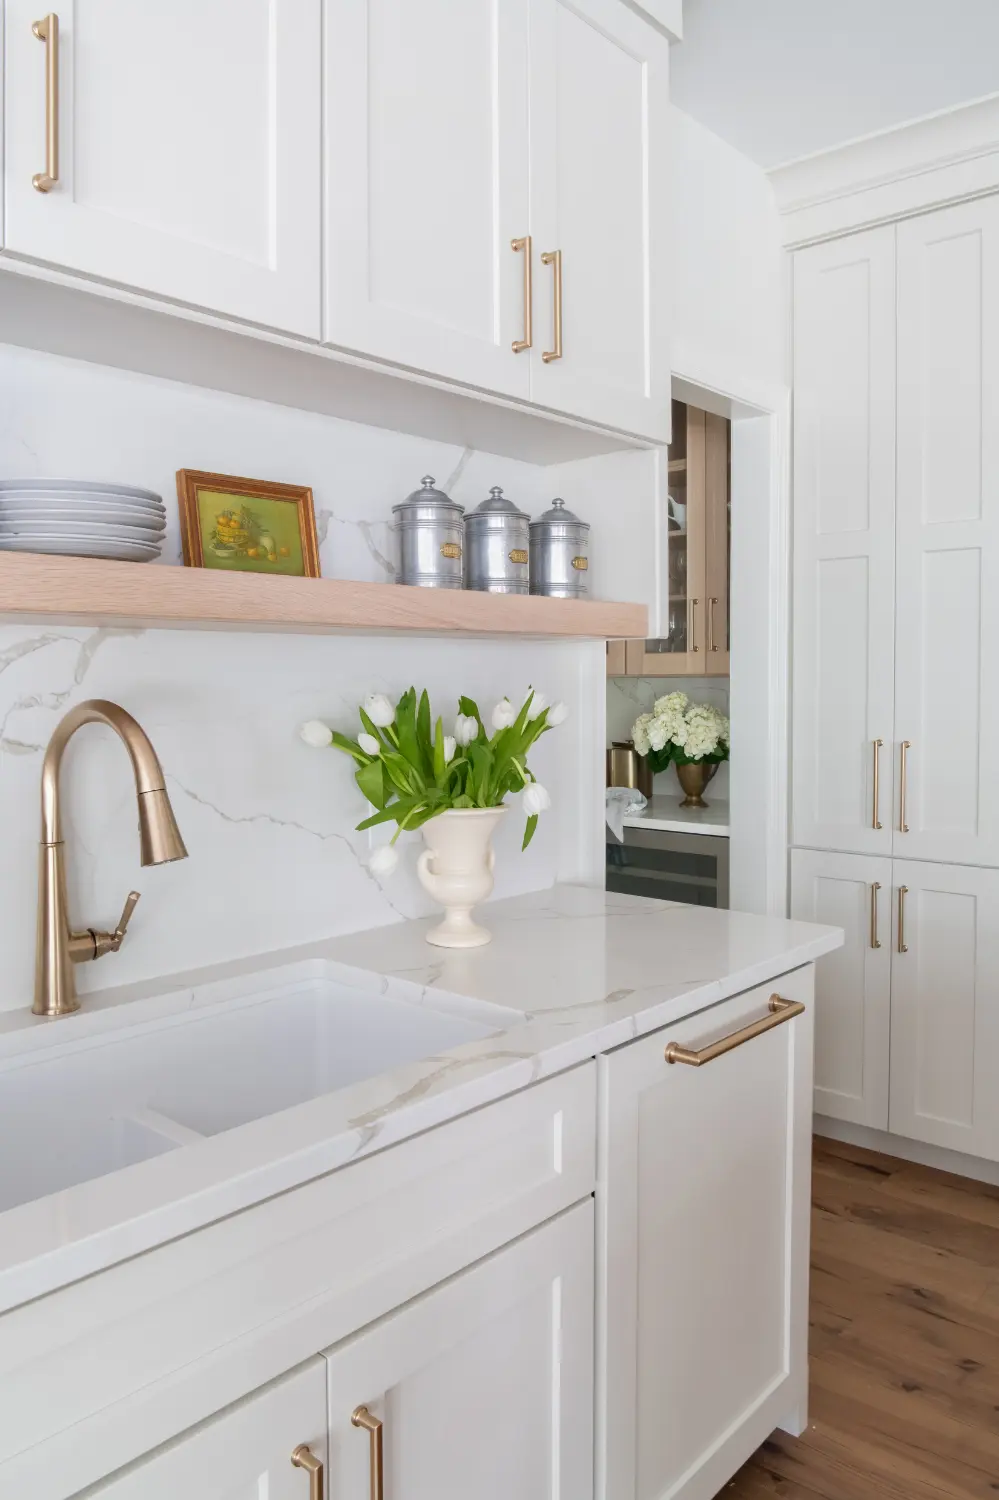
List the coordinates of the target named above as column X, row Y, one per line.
column 317, row 734
column 368, row 744
column 450, row 746
column 379, row 710
column 535, row 799
column 384, row 861
column 538, row 705
column 557, row 714
column 466, row 727
column 504, row 714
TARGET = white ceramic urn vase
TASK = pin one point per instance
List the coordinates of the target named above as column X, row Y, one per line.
column 456, row 868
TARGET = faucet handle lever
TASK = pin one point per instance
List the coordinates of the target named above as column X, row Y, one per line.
column 95, row 944
column 118, row 936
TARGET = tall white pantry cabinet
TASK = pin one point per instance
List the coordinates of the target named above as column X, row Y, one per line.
column 895, row 798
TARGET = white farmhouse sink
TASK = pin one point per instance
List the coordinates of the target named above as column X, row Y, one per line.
column 126, row 1095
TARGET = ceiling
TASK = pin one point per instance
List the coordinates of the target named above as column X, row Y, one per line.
column 779, row 79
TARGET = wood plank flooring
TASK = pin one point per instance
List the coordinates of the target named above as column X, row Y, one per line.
column 904, row 1401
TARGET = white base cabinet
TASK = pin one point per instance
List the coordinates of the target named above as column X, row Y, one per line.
column 703, row 1204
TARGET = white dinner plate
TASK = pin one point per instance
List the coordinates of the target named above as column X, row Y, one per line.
column 78, row 547
column 97, row 530
column 79, row 487
column 68, row 501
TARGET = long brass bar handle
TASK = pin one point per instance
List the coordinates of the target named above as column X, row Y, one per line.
column 361, row 1417
column 903, row 946
column 554, row 258
column 780, row 1011
column 524, row 245
column 693, row 621
column 47, row 31
column 304, row 1458
column 875, row 940
column 876, row 805
column 711, row 624
column 903, row 826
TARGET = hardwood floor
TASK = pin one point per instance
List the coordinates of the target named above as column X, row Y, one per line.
column 904, row 1401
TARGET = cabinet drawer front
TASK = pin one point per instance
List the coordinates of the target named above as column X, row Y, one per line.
column 704, row 1174
column 137, row 1353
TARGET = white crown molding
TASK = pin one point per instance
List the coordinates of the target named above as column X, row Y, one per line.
column 666, row 15
column 892, row 175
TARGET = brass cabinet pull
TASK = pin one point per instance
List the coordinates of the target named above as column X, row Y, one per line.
column 875, row 940
column 876, row 808
column 903, row 826
column 780, row 1011
column 903, row 946
column 524, row 244
column 693, row 621
column 304, row 1458
column 711, row 624
column 554, row 258
column 47, row 31
column 361, row 1417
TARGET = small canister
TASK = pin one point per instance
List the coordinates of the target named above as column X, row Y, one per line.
column 560, row 554
column 497, row 546
column 429, row 524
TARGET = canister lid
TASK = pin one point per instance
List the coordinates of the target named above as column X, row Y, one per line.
column 429, row 500
column 559, row 516
column 498, row 505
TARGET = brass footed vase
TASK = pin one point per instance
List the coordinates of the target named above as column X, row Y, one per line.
column 693, row 778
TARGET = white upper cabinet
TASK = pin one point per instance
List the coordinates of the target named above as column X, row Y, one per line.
column 599, row 118
column 844, row 543
column 188, row 151
column 947, row 653
column 427, row 185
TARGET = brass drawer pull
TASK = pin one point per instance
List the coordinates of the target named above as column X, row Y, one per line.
column 304, row 1458
column 524, row 244
column 780, row 1011
column 554, row 258
column 903, row 826
column 47, row 31
column 361, row 1417
column 903, row 946
column 876, row 810
column 875, row 940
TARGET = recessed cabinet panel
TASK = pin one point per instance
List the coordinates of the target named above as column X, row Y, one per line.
column 197, row 179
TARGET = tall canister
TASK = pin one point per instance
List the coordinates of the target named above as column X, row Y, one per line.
column 560, row 554
column 497, row 546
column 429, row 524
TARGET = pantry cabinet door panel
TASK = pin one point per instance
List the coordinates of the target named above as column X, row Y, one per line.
column 947, row 683
column 852, row 985
column 844, row 543
column 426, row 185
column 945, row 1007
column 599, row 117
column 189, row 151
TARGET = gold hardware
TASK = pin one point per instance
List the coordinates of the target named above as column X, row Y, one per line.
column 519, row 345
column 361, row 1417
column 47, row 31
column 903, row 891
column 875, row 940
column 780, row 1011
column 554, row 258
column 450, row 549
column 693, row 620
column 580, row 564
column 517, row 555
column 58, row 948
column 875, row 819
column 711, row 624
column 304, row 1458
column 903, row 826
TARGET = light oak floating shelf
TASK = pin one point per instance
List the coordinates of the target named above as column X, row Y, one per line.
column 75, row 590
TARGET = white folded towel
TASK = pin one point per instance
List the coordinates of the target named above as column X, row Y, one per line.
column 621, row 801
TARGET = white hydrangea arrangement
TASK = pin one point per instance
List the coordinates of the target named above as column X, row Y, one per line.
column 679, row 732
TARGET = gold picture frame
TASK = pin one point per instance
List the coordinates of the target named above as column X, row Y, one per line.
column 237, row 525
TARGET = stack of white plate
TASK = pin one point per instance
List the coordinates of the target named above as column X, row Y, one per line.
column 77, row 518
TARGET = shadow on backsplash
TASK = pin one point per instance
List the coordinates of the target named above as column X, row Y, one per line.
column 627, row 697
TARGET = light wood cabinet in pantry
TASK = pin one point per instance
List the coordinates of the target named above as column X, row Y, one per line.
column 188, row 140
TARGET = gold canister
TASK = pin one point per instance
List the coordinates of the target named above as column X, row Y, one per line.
column 625, row 767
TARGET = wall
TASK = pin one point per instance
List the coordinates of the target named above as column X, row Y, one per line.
column 269, row 824
column 627, row 697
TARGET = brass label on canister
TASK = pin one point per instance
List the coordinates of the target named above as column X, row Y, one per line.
column 450, row 549
column 517, row 555
column 580, row 564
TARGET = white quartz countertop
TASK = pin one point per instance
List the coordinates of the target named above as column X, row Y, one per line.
column 665, row 814
column 571, row 972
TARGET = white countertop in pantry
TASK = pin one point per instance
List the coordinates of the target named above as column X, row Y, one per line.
column 665, row 814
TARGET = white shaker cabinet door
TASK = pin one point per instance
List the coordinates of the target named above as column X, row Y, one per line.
column 844, row 543
column 945, row 1007
column 852, row 985
column 189, row 139
column 947, row 652
column 482, row 1389
column 427, row 185
column 599, row 179
column 243, row 1454
column 703, row 1204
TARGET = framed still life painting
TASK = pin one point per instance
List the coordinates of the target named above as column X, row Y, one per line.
column 247, row 525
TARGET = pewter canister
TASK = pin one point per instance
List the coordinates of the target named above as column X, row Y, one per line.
column 560, row 554
column 429, row 524
column 497, row 542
